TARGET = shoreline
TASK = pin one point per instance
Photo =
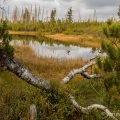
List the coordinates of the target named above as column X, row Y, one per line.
column 84, row 40
column 23, row 33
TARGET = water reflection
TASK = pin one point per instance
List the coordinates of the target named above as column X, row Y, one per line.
column 57, row 51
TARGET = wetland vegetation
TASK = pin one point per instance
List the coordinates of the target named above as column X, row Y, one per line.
column 16, row 95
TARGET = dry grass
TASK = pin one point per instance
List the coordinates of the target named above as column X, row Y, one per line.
column 47, row 68
column 23, row 33
column 85, row 40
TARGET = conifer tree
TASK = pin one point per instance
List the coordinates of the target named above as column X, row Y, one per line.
column 6, row 38
column 52, row 15
column 26, row 16
column 70, row 14
column 111, row 63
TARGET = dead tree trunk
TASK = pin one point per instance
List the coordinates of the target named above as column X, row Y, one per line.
column 21, row 71
column 33, row 112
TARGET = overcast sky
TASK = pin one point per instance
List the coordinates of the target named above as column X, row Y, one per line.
column 104, row 8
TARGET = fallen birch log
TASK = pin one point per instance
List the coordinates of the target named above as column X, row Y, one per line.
column 22, row 72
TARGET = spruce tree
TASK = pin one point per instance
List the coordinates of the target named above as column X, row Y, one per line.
column 52, row 15
column 26, row 16
column 70, row 14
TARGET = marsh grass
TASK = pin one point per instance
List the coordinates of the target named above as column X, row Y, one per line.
column 49, row 68
column 23, row 33
column 83, row 40
column 16, row 95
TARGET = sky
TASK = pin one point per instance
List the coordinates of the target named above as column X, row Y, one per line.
column 81, row 8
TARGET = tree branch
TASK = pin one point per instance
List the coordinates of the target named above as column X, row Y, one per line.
column 81, row 71
column 91, row 107
column 94, row 89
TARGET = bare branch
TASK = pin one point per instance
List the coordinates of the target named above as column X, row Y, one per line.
column 81, row 71
column 91, row 107
column 95, row 89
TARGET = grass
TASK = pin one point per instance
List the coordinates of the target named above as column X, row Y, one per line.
column 23, row 33
column 16, row 95
column 40, row 65
column 83, row 40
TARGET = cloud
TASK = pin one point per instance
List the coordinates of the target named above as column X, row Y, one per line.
column 101, row 3
column 67, row 0
column 104, row 8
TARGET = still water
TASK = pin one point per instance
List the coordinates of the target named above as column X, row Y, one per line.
column 54, row 50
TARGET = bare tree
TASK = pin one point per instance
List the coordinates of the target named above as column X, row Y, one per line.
column 94, row 16
column 52, row 15
column 31, row 13
column 26, row 16
column 46, row 15
column 79, row 17
column 3, row 14
column 35, row 14
column 15, row 15
column 39, row 13
column 43, row 14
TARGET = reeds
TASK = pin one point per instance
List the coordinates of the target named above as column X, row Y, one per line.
column 83, row 40
column 50, row 68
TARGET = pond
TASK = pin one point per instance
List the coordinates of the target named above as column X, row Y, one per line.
column 55, row 50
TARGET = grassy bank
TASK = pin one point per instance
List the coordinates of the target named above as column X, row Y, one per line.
column 16, row 95
column 83, row 40
column 23, row 33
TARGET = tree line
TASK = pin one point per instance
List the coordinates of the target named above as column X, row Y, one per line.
column 34, row 14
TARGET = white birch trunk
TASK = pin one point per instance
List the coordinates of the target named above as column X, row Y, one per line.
column 91, row 107
column 22, row 72
column 81, row 71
